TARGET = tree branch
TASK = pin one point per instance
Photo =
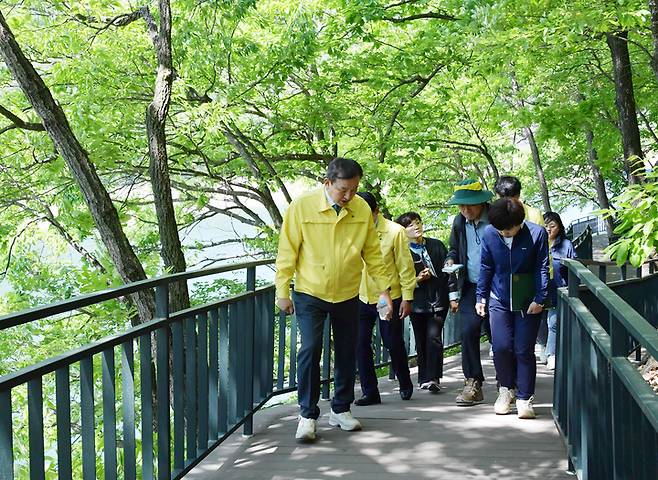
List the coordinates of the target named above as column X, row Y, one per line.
column 421, row 16
column 18, row 122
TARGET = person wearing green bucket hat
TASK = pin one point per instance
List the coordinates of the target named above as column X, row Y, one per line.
column 469, row 192
column 465, row 243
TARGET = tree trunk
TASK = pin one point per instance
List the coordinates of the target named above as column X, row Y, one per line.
column 599, row 184
column 625, row 101
column 653, row 7
column 98, row 200
column 156, row 116
column 539, row 170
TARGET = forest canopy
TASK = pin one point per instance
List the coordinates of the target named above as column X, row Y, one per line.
column 125, row 126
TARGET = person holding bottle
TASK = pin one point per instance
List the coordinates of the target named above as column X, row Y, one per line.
column 400, row 269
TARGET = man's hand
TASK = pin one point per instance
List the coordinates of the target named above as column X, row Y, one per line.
column 423, row 275
column 535, row 308
column 481, row 309
column 386, row 295
column 454, row 306
column 285, row 304
column 405, row 309
column 449, row 263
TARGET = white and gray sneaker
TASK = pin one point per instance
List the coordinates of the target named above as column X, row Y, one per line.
column 345, row 421
column 524, row 408
column 550, row 362
column 506, row 397
column 306, row 429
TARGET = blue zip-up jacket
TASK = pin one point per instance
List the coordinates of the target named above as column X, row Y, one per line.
column 529, row 253
column 562, row 248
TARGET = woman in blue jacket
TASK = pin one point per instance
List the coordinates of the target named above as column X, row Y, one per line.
column 561, row 247
column 513, row 287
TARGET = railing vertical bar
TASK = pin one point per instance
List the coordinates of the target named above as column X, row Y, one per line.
column 224, row 385
column 146, row 395
column 63, row 416
column 202, row 370
column 292, row 379
column 326, row 357
column 6, row 437
column 190, row 389
column 87, row 418
column 109, row 415
column 164, row 456
column 624, row 272
column 178, row 391
column 213, row 372
column 259, row 352
column 232, row 392
column 270, row 318
column 35, row 421
column 128, row 404
column 280, row 372
column 241, row 343
column 250, row 369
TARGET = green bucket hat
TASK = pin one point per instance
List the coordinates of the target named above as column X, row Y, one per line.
column 469, row 192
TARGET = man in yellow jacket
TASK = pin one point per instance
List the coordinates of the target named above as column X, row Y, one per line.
column 326, row 236
column 402, row 278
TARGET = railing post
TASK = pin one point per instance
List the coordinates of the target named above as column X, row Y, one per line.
column 248, row 429
column 6, row 436
column 162, row 379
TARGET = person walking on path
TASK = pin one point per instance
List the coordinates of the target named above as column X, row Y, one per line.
column 464, row 248
column 512, row 288
column 326, row 236
column 560, row 247
column 431, row 304
column 402, row 279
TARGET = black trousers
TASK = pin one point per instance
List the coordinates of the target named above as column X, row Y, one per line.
column 428, row 332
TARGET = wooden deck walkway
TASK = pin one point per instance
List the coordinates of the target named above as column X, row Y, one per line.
column 428, row 437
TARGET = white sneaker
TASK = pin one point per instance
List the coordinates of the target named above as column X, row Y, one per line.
column 491, row 354
column 550, row 362
column 345, row 421
column 524, row 408
column 306, row 429
column 503, row 404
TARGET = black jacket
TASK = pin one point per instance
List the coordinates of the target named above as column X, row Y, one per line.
column 432, row 294
column 458, row 250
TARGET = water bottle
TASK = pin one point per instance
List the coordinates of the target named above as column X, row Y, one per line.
column 382, row 309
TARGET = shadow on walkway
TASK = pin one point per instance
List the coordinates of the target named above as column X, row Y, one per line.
column 428, row 437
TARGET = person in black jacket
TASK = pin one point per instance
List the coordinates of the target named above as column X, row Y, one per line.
column 430, row 305
column 465, row 243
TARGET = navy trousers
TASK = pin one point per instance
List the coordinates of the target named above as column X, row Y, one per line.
column 472, row 325
column 311, row 313
column 428, row 331
column 392, row 333
column 513, row 337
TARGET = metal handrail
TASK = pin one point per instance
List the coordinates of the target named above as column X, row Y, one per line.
column 599, row 393
column 26, row 316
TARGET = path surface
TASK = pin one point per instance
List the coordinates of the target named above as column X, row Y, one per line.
column 428, row 437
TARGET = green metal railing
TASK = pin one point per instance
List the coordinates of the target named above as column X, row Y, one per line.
column 606, row 411
column 169, row 391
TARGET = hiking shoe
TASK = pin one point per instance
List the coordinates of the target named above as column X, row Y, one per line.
column 344, row 420
column 306, row 429
column 471, row 394
column 506, row 397
column 406, row 394
column 524, row 408
column 424, row 385
column 550, row 362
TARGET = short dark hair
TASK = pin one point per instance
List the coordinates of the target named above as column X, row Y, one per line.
column 506, row 213
column 508, row 186
column 370, row 200
column 554, row 217
column 407, row 218
column 344, row 168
